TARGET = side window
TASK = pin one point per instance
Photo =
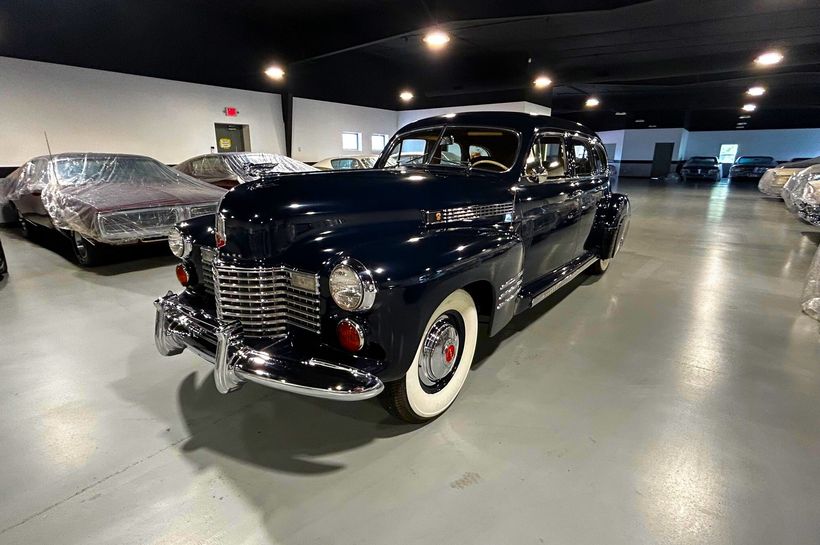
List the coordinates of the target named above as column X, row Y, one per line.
column 343, row 164
column 547, row 159
column 583, row 157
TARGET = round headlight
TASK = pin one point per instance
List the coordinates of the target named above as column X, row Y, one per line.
column 352, row 286
column 180, row 246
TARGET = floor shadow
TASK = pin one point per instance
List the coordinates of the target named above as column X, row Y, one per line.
column 281, row 431
column 813, row 236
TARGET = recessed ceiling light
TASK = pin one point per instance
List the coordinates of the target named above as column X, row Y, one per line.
column 653, row 126
column 749, row 107
column 741, row 124
column 640, row 120
column 768, row 58
column 744, row 117
column 620, row 113
column 756, row 91
column 436, row 39
column 542, row 82
column 406, row 96
column 592, row 102
column 275, row 72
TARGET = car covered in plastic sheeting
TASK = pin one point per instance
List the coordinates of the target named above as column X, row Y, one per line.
column 100, row 199
column 352, row 162
column 811, row 293
column 802, row 194
column 773, row 181
column 231, row 169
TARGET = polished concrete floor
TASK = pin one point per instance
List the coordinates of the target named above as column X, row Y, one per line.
column 674, row 400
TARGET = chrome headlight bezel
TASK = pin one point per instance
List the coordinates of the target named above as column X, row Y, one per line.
column 180, row 245
column 350, row 275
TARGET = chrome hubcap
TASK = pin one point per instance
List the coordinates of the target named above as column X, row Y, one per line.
column 440, row 351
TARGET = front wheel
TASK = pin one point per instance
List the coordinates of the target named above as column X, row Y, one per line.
column 87, row 253
column 443, row 359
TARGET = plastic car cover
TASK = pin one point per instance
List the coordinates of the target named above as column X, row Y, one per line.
column 802, row 194
column 242, row 167
column 772, row 182
column 114, row 199
column 811, row 294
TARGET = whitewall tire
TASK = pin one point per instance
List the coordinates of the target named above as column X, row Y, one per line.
column 441, row 364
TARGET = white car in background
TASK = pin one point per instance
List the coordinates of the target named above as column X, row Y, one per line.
column 773, row 180
column 353, row 162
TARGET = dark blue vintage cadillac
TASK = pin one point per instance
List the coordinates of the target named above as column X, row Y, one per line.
column 349, row 284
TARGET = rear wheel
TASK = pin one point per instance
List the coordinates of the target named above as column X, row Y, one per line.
column 87, row 253
column 443, row 359
column 600, row 266
column 28, row 229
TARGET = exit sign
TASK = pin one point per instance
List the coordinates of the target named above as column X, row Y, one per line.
column 230, row 111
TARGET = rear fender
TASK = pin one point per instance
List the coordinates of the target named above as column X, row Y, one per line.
column 611, row 218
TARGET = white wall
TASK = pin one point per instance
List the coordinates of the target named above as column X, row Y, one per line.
column 613, row 137
column 408, row 116
column 639, row 144
column 318, row 127
column 782, row 144
column 94, row 110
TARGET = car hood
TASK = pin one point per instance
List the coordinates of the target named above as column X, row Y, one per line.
column 112, row 196
column 263, row 219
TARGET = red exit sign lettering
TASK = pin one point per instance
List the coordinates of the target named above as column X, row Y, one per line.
column 230, row 111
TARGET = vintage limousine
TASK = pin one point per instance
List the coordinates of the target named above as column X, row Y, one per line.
column 349, row 284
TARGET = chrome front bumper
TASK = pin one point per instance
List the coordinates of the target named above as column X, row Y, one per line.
column 179, row 326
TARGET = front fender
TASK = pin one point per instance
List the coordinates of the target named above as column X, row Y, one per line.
column 416, row 271
column 199, row 230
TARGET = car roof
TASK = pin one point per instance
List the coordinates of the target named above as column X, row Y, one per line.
column 518, row 121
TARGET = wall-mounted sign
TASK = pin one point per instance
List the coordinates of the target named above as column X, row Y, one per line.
column 225, row 143
column 230, row 111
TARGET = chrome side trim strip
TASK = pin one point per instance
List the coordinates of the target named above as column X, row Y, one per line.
column 509, row 290
column 563, row 281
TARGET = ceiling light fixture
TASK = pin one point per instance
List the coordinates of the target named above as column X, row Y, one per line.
column 653, row 126
column 640, row 120
column 542, row 82
column 592, row 102
column 406, row 96
column 744, row 117
column 275, row 72
column 749, row 107
column 756, row 91
column 769, row 58
column 436, row 39
column 620, row 113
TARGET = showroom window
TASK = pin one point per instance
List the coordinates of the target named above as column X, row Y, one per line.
column 728, row 152
column 378, row 142
column 352, row 141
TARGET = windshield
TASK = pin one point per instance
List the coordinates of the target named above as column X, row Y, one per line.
column 702, row 161
column 461, row 147
column 754, row 160
column 75, row 170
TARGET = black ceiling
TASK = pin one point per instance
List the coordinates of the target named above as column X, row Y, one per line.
column 671, row 63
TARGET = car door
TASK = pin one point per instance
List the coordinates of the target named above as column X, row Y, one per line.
column 547, row 203
column 591, row 182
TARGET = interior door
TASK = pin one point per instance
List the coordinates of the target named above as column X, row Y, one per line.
column 590, row 167
column 230, row 137
column 547, row 201
column 662, row 159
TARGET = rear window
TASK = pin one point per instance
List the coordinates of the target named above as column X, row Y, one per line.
column 702, row 161
column 754, row 160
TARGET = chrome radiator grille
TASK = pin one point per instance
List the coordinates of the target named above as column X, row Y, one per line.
column 266, row 300
column 207, row 268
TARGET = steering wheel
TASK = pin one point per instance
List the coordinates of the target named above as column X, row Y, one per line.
column 491, row 162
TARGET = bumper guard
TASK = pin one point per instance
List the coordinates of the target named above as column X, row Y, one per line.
column 179, row 326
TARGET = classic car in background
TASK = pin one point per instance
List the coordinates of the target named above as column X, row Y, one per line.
column 354, row 283
column 750, row 167
column 231, row 169
column 4, row 268
column 701, row 168
column 802, row 194
column 101, row 199
column 347, row 163
column 774, row 179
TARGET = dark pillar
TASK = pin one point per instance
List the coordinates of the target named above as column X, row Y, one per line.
column 287, row 117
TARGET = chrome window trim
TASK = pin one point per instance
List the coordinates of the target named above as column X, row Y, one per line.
column 446, row 126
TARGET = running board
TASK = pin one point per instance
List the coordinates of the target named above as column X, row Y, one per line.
column 562, row 277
